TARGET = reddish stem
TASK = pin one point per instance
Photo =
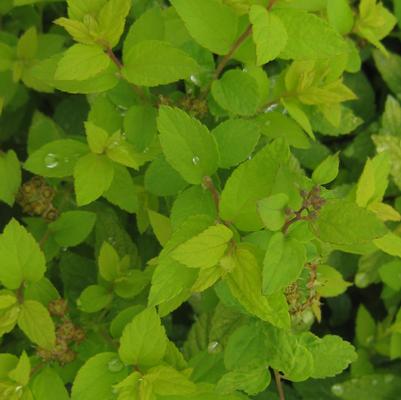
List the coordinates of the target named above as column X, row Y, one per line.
column 137, row 89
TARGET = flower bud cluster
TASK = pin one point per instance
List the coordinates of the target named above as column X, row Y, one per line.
column 67, row 334
column 36, row 199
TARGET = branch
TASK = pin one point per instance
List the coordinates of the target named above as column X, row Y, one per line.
column 279, row 384
column 223, row 62
column 209, row 185
column 137, row 89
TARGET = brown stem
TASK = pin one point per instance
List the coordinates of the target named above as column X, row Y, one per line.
column 137, row 89
column 298, row 217
column 114, row 58
column 20, row 293
column 209, row 185
column 36, row 368
column 233, row 49
column 223, row 62
column 43, row 241
column 279, row 384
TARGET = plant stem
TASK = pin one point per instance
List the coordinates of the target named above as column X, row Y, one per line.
column 223, row 62
column 137, row 89
column 36, row 368
column 298, row 217
column 279, row 384
column 209, row 185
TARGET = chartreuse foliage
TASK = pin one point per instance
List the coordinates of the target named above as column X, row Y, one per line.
column 189, row 188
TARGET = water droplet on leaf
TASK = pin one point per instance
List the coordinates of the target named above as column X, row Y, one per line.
column 195, row 160
column 115, row 365
column 194, row 80
column 214, row 347
column 51, row 160
column 337, row 390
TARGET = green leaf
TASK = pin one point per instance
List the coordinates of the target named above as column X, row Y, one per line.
column 365, row 328
column 340, row 16
column 109, row 262
column 140, row 125
column 56, row 159
column 289, row 355
column 245, row 347
column 212, row 24
column 97, row 137
column 77, row 29
column 22, row 259
column 7, row 300
column 187, row 144
column 331, row 355
column 123, row 318
column 392, row 146
column 309, row 36
column 93, row 175
column 344, row 223
column 390, row 274
column 94, row 298
column 389, row 243
column 8, row 319
column 122, row 152
column 372, row 386
column 72, row 227
column 122, row 191
column 298, row 115
column 237, row 92
column 10, row 177
column 27, row 44
column 21, row 372
column 154, row 63
column 374, row 22
column 132, row 284
column 144, row 340
column 162, row 179
column 149, row 26
column 268, row 33
column 245, row 283
column 7, row 54
column 331, row 282
column 48, row 381
column 391, row 118
column 96, row 378
column 169, row 280
column 206, row 249
column 327, row 170
column 252, row 181
column 42, row 131
column 35, row 321
column 236, row 140
column 366, row 186
column 389, row 67
column 284, row 260
column 111, row 20
column 196, row 200
column 275, row 125
column 271, row 211
column 167, row 381
column 81, row 62
column 161, row 226
column 250, row 380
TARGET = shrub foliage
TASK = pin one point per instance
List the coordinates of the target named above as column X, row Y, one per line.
column 200, row 197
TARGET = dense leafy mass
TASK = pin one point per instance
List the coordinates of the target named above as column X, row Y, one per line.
column 200, row 199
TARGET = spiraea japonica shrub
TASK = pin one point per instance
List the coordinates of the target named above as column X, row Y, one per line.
column 200, row 199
